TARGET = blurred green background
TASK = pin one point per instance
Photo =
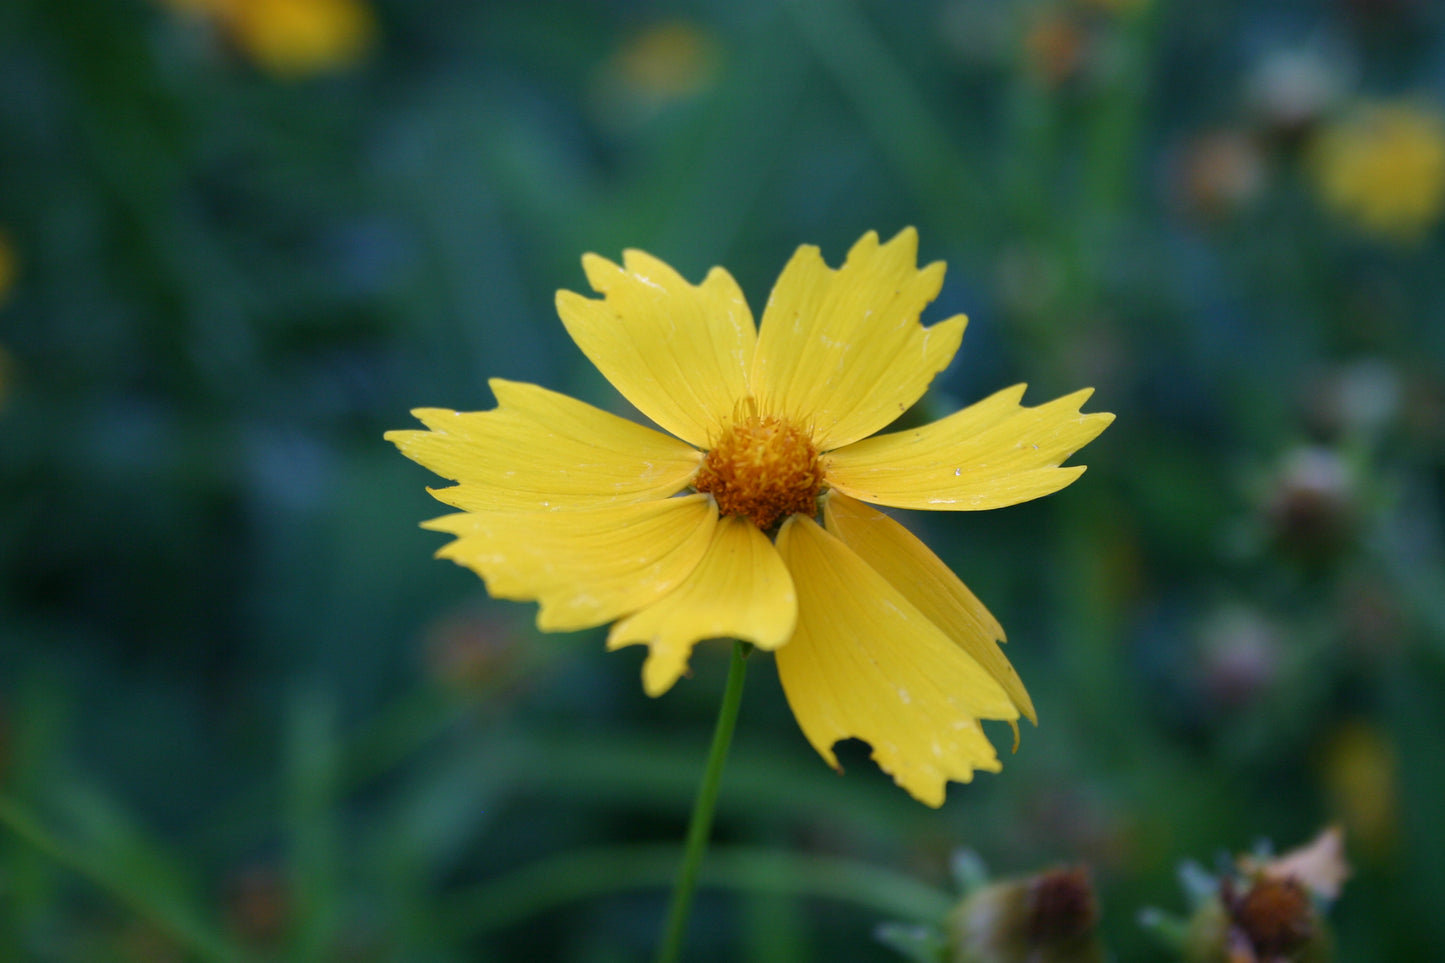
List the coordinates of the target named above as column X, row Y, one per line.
column 244, row 715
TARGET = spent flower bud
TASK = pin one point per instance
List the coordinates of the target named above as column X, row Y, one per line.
column 1051, row 917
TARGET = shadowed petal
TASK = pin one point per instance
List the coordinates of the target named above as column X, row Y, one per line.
column 542, row 450
column 584, row 567
column 864, row 662
column 842, row 352
column 988, row 455
column 909, row 566
column 740, row 590
column 679, row 352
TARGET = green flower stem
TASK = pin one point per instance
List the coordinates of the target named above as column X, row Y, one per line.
column 699, row 829
column 579, row 875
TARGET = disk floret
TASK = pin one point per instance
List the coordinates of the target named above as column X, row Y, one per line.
column 764, row 469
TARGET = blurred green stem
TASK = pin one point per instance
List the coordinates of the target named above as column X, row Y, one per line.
column 168, row 911
column 553, row 882
column 699, row 829
column 892, row 110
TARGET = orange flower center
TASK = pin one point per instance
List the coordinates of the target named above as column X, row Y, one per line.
column 764, row 469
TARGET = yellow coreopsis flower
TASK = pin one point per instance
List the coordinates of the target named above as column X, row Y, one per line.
column 712, row 531
column 1383, row 167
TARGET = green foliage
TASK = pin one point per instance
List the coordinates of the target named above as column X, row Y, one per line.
column 244, row 715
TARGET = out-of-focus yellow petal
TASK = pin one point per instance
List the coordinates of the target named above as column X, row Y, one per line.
column 584, row 567
column 679, row 352
column 740, row 590
column 864, row 662
column 988, row 455
column 842, row 351
column 909, row 566
column 540, row 450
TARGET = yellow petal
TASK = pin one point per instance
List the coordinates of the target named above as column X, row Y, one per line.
column 988, row 455
column 864, row 662
column 740, row 590
column 842, row 351
column 584, row 567
column 895, row 553
column 542, row 450
column 679, row 352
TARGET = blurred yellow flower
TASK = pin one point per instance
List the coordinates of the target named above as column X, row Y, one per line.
column 292, row 38
column 7, row 267
column 665, row 63
column 7, row 281
column 1361, row 774
column 1383, row 167
column 711, row 532
column 668, row 60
